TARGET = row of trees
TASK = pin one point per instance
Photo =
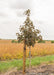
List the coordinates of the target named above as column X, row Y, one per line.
column 28, row 34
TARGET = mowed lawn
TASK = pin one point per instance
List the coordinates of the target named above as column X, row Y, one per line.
column 8, row 65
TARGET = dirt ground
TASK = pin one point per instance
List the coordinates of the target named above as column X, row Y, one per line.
column 39, row 70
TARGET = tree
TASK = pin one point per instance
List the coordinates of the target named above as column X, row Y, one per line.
column 29, row 35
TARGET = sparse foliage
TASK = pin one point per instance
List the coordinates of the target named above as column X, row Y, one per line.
column 28, row 34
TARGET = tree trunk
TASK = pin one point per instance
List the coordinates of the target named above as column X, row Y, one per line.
column 24, row 59
column 29, row 58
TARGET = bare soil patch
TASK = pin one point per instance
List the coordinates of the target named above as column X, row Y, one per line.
column 39, row 70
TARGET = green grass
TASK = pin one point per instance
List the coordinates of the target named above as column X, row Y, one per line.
column 6, row 65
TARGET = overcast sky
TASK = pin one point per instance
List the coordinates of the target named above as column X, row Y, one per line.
column 11, row 17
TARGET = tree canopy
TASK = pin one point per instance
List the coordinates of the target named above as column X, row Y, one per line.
column 28, row 33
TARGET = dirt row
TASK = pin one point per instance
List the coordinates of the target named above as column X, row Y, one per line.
column 39, row 70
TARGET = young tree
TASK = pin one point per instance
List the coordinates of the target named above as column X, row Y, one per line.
column 28, row 34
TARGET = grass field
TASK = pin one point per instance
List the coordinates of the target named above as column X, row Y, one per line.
column 8, row 65
column 10, row 50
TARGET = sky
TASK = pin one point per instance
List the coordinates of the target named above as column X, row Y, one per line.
column 12, row 16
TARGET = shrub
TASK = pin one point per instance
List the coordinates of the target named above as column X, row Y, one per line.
column 41, row 41
column 16, row 41
column 13, row 41
column 52, row 41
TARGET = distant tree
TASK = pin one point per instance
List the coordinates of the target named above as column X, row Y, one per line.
column 28, row 34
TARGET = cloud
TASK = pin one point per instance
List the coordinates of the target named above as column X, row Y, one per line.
column 2, row 14
column 11, row 16
column 21, row 4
